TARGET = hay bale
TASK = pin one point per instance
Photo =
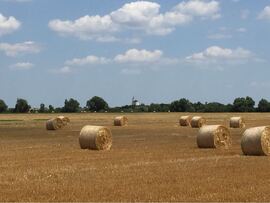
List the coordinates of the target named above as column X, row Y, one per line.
column 54, row 124
column 185, row 120
column 256, row 141
column 214, row 136
column 120, row 121
column 64, row 119
column 197, row 122
column 237, row 122
column 95, row 137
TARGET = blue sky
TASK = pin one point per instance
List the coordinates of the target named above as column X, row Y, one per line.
column 157, row 51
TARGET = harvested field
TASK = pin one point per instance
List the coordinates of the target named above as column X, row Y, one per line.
column 151, row 159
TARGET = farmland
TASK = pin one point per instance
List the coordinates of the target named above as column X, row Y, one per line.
column 152, row 159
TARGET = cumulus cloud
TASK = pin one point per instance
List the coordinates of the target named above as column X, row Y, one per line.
column 218, row 55
column 144, row 15
column 89, row 60
column 139, row 56
column 8, row 24
column 134, row 60
column 87, row 27
column 139, row 15
column 22, row 66
column 265, row 14
column 199, row 8
column 20, row 48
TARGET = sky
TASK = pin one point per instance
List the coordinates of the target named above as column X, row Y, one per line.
column 157, row 51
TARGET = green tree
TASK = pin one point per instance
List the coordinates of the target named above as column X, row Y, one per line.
column 71, row 106
column 264, row 106
column 199, row 107
column 214, row 107
column 3, row 106
column 22, row 106
column 42, row 108
column 97, row 104
column 182, row 105
column 243, row 104
column 51, row 108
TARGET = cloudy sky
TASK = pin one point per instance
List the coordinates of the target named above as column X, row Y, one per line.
column 157, row 51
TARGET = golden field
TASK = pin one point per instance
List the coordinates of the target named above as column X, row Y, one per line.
column 152, row 159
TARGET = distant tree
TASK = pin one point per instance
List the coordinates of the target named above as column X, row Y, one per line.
column 199, row 107
column 97, row 104
column 182, row 105
column 243, row 104
column 3, row 106
column 71, row 106
column 264, row 106
column 22, row 106
column 42, row 108
column 154, row 107
column 51, row 108
column 214, row 107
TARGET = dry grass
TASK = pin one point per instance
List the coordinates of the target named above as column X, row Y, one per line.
column 152, row 159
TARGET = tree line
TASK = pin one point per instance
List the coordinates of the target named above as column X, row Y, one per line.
column 98, row 104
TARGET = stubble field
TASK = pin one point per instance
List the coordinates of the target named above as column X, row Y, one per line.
column 152, row 159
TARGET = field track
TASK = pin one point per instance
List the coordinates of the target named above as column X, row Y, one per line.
column 152, row 159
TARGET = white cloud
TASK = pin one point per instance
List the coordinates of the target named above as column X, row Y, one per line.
column 139, row 15
column 89, row 60
column 8, row 24
column 144, row 15
column 133, row 61
column 87, row 27
column 20, row 48
column 265, row 14
column 138, row 56
column 199, row 8
column 218, row 55
column 22, row 66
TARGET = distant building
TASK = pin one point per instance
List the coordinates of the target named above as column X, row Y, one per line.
column 135, row 102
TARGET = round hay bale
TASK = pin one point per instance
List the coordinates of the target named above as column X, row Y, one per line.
column 237, row 122
column 214, row 136
column 95, row 137
column 120, row 121
column 185, row 120
column 197, row 122
column 64, row 119
column 54, row 124
column 256, row 141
